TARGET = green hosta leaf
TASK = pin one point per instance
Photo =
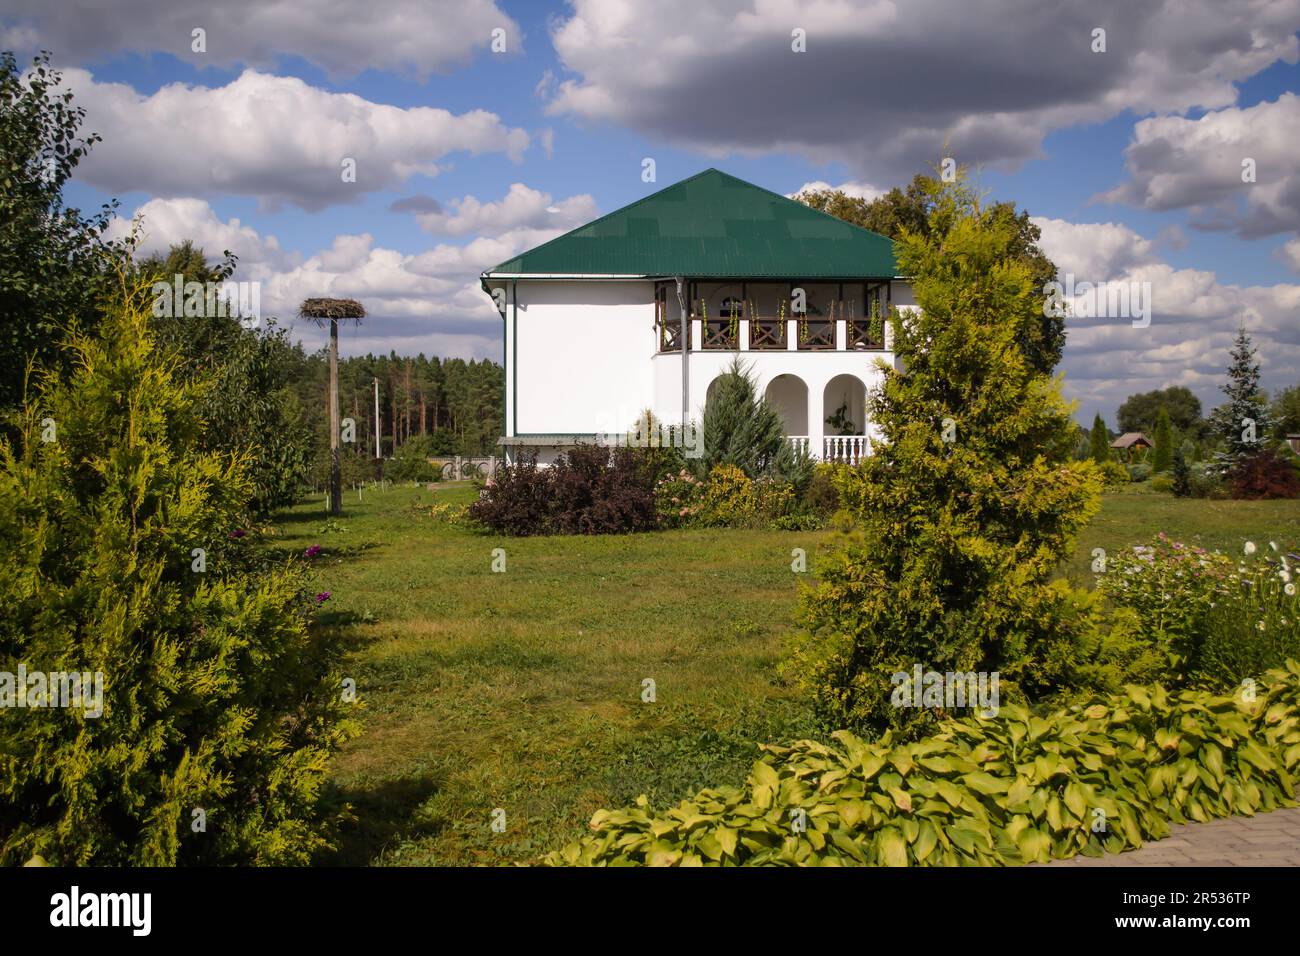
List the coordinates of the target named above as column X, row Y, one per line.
column 901, row 799
column 1035, row 846
column 891, row 847
column 982, row 782
column 926, row 839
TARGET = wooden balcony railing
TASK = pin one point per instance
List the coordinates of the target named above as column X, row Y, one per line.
column 720, row 334
column 817, row 334
column 767, row 334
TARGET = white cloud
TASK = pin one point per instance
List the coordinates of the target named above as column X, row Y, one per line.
column 1092, row 251
column 416, row 37
column 1290, row 254
column 520, row 208
column 1195, row 316
column 883, row 86
column 1196, row 164
column 853, row 189
column 426, row 301
column 168, row 222
column 276, row 138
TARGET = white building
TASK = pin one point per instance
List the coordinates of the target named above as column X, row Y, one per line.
column 594, row 319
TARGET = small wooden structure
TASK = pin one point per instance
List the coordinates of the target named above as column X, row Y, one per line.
column 321, row 310
column 1129, row 442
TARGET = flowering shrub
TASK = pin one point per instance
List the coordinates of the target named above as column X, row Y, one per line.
column 1170, row 585
column 679, row 500
column 1218, row 621
column 1255, row 626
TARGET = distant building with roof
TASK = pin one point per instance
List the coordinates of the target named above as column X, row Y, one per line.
column 596, row 319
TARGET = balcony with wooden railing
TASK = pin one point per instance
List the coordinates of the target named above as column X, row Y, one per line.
column 739, row 323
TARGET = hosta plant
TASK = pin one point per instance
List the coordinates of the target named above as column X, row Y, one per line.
column 1097, row 777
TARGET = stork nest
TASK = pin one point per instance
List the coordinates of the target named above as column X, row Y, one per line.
column 323, row 310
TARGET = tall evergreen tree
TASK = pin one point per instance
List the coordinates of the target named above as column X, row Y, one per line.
column 123, row 554
column 1099, row 441
column 740, row 428
column 968, row 505
column 1182, row 473
column 1243, row 422
column 1162, row 457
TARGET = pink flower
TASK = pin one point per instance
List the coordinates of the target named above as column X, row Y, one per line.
column 322, row 597
column 238, row 533
column 682, row 513
column 312, row 551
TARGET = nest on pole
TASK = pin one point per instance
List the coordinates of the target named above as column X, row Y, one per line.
column 326, row 310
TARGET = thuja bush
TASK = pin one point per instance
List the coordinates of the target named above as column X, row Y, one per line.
column 124, row 554
column 967, row 506
column 1101, row 776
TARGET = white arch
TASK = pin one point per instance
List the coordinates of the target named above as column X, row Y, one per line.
column 788, row 395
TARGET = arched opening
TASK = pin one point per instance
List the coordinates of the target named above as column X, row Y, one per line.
column 788, row 395
column 844, row 406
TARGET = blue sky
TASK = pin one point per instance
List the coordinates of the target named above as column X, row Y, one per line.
column 1130, row 156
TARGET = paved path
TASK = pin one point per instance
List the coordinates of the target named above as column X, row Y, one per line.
column 1266, row 839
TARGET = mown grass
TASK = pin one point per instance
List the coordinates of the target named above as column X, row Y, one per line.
column 523, row 690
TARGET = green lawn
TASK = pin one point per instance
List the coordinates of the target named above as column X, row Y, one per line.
column 523, row 690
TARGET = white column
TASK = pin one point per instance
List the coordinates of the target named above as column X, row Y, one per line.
column 816, row 416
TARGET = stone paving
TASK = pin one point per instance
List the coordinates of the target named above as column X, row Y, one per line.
column 1266, row 839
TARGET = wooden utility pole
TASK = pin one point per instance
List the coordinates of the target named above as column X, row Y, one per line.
column 332, row 310
column 336, row 475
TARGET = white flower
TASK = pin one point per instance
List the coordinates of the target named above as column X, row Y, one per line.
column 1290, row 590
column 1260, row 625
column 1284, row 574
column 1250, row 547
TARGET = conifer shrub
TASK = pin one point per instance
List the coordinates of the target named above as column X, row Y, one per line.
column 969, row 502
column 125, row 553
column 1101, row 776
column 1114, row 475
column 1181, row 473
column 1162, row 457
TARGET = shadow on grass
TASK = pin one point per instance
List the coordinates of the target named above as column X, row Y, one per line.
column 384, row 815
column 330, row 553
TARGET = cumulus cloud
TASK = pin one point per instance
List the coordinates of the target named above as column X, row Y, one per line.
column 163, row 223
column 853, row 189
column 416, row 37
column 520, row 208
column 426, row 301
column 1195, row 316
column 273, row 137
column 883, row 86
column 1196, row 164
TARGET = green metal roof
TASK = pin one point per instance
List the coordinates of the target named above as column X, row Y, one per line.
column 713, row 225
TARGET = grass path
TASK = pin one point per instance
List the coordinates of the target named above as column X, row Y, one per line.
column 523, row 690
